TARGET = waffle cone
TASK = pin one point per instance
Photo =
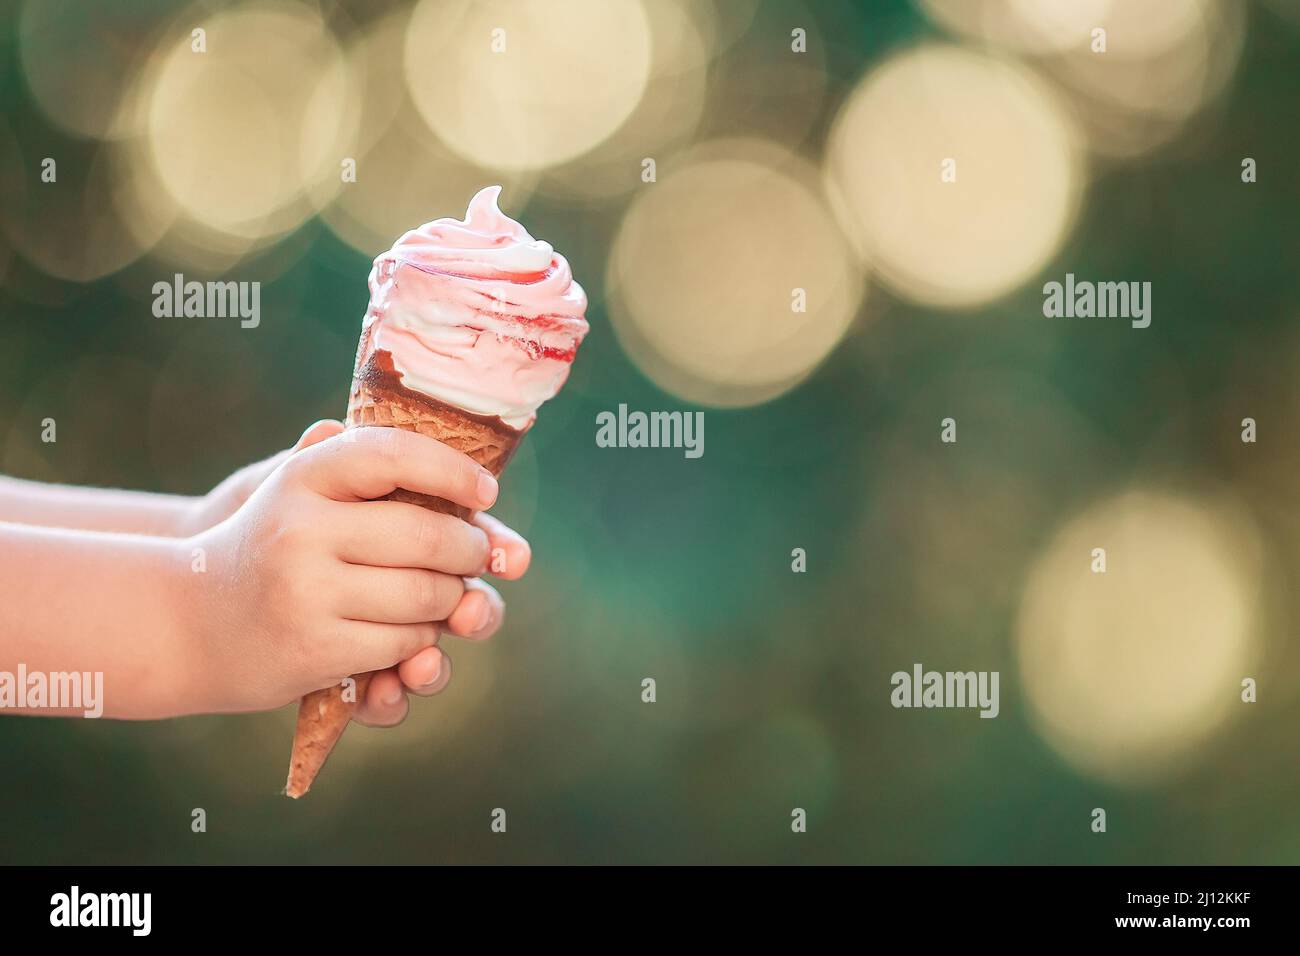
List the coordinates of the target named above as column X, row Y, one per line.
column 379, row 400
column 323, row 715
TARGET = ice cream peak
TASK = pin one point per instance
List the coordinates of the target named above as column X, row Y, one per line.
column 476, row 313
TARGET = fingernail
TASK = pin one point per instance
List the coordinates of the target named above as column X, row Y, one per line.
column 437, row 672
column 487, row 489
column 393, row 696
column 485, row 615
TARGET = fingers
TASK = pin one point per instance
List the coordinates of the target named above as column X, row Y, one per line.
column 510, row 553
column 395, row 534
column 385, row 703
column 427, row 669
column 427, row 673
column 397, row 595
column 479, row 613
column 370, row 462
column 375, row 647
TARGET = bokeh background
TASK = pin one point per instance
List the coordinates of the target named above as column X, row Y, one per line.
column 775, row 169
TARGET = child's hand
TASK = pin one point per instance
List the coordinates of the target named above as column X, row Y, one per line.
column 310, row 581
column 224, row 500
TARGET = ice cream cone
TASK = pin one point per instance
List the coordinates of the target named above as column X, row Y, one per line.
column 323, row 715
column 472, row 325
column 379, row 400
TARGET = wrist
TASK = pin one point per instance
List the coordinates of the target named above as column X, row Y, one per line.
column 188, row 606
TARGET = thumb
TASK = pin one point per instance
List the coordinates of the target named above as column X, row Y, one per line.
column 321, row 430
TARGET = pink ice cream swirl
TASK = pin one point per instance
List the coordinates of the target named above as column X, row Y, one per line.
column 477, row 313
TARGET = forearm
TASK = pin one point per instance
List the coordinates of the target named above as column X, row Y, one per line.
column 92, row 603
column 93, row 509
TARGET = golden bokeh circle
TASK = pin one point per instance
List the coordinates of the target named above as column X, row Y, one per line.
column 240, row 133
column 1164, row 63
column 526, row 86
column 663, row 121
column 1018, row 174
column 1128, row 671
column 705, row 271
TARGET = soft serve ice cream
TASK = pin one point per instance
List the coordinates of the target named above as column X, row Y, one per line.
column 475, row 314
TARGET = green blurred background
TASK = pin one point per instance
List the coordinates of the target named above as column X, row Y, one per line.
column 775, row 168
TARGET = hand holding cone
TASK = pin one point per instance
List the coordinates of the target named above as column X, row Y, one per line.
column 472, row 325
column 378, row 400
